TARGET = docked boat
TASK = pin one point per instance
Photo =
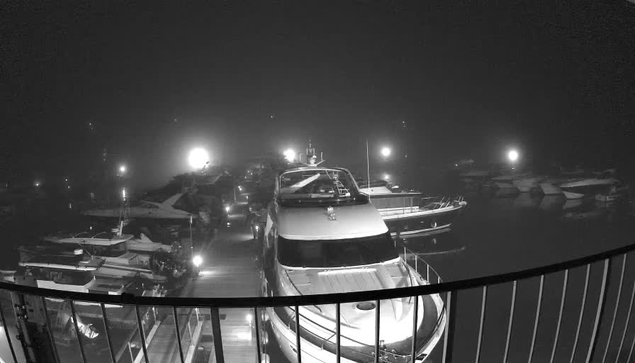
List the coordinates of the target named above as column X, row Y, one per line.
column 322, row 237
column 527, row 184
column 408, row 213
column 589, row 187
column 124, row 257
column 616, row 193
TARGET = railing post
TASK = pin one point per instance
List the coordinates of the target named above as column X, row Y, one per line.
column 107, row 331
column 142, row 335
column 480, row 325
column 6, row 333
column 511, row 321
column 415, row 327
column 628, row 319
column 600, row 309
column 536, row 322
column 49, row 330
column 448, row 341
column 338, row 333
column 297, row 334
column 377, row 328
column 216, row 335
column 617, row 305
column 77, row 332
column 178, row 333
column 562, row 301
column 257, row 326
column 584, row 293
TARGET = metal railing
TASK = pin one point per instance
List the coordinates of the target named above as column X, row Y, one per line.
column 578, row 310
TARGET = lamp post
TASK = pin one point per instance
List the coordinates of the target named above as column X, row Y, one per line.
column 198, row 158
column 512, row 155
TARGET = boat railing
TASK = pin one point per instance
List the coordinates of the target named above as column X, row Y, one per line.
column 577, row 310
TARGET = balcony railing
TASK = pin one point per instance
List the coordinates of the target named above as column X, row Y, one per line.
column 574, row 311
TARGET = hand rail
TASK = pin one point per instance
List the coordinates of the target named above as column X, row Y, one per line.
column 322, row 299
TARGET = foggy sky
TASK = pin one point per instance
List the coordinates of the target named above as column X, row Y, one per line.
column 550, row 77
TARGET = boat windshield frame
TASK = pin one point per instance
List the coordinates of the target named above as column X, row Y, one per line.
column 322, row 185
column 350, row 252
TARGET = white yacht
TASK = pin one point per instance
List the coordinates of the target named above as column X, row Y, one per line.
column 589, row 187
column 165, row 210
column 407, row 213
column 322, row 237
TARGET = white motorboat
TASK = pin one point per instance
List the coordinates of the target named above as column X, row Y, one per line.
column 145, row 210
column 526, row 184
column 408, row 213
column 615, row 193
column 125, row 257
column 589, row 187
column 550, row 186
column 323, row 236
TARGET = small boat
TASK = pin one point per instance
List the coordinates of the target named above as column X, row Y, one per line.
column 410, row 213
column 124, row 257
column 550, row 187
column 589, row 187
column 616, row 193
column 525, row 185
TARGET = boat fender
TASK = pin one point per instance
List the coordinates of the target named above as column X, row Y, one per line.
column 433, row 224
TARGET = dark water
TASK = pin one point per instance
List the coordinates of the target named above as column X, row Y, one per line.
column 499, row 233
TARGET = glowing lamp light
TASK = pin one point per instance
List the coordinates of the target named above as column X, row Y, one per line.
column 198, row 158
column 123, row 193
column 386, row 177
column 249, row 318
column 289, row 155
column 227, row 208
column 36, row 183
column 197, row 260
column 512, row 155
column 385, row 151
column 122, row 169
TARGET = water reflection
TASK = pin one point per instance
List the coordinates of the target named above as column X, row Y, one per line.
column 526, row 200
column 441, row 242
column 551, row 202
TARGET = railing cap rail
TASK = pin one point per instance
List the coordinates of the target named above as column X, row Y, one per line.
column 322, row 298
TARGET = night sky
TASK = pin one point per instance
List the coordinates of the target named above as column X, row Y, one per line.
column 553, row 78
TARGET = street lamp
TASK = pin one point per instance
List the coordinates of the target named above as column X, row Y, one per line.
column 198, row 158
column 122, row 169
column 289, row 155
column 512, row 155
column 385, row 151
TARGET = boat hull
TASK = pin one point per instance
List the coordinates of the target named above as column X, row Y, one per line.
column 505, row 185
column 572, row 195
column 421, row 221
column 318, row 350
column 550, row 189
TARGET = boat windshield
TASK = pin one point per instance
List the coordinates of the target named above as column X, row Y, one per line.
column 316, row 184
column 336, row 253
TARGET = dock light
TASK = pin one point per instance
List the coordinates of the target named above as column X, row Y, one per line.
column 512, row 155
column 36, row 183
column 385, row 151
column 240, row 188
column 197, row 260
column 198, row 158
column 386, row 177
column 289, row 155
column 227, row 208
column 122, row 169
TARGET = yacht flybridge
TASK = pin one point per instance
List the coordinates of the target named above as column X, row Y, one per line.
column 323, row 236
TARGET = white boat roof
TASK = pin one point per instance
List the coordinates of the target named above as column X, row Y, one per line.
column 351, row 221
column 99, row 239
